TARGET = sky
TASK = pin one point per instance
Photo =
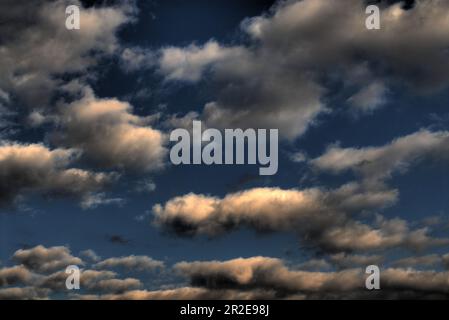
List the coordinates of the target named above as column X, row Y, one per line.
column 86, row 177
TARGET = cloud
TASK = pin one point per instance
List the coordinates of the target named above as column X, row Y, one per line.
column 139, row 263
column 23, row 293
column 270, row 274
column 322, row 218
column 369, row 98
column 90, row 255
column 315, row 28
column 241, row 278
column 133, row 59
column 37, row 49
column 385, row 234
column 376, row 164
column 116, row 285
column 190, row 63
column 265, row 209
column 315, row 265
column 43, row 270
column 110, row 135
column 94, row 200
column 88, row 279
column 13, row 275
column 279, row 78
column 427, row 260
column 182, row 293
column 42, row 259
column 32, row 168
column 343, row 260
column 266, row 273
column 145, row 186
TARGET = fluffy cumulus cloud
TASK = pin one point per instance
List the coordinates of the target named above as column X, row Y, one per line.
column 13, row 275
column 110, row 135
column 275, row 80
column 37, row 48
column 42, row 259
column 325, row 218
column 256, row 93
column 35, row 168
column 265, row 209
column 37, row 54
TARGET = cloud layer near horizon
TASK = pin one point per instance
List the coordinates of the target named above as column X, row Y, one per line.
column 41, row 275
